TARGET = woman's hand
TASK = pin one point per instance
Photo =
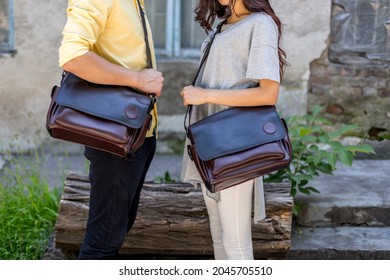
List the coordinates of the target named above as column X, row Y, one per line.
column 193, row 95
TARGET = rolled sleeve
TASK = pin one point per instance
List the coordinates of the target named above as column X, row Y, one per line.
column 86, row 20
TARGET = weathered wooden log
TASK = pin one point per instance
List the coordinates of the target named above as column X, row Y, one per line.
column 172, row 220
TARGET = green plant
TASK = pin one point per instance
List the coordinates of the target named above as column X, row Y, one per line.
column 315, row 150
column 166, row 178
column 28, row 210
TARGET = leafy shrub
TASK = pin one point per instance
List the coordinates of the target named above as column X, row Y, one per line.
column 315, row 150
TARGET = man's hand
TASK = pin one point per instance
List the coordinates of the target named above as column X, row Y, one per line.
column 150, row 81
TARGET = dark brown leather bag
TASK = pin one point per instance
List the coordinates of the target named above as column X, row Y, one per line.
column 114, row 119
column 237, row 144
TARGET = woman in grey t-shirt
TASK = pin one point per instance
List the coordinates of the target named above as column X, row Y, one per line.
column 244, row 68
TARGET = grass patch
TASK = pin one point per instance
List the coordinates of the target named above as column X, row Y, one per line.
column 28, row 210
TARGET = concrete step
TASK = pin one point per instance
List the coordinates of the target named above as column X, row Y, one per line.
column 356, row 195
column 340, row 243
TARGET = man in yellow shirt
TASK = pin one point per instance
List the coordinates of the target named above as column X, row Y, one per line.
column 103, row 42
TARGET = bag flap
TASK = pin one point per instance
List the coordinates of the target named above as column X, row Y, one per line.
column 116, row 103
column 236, row 129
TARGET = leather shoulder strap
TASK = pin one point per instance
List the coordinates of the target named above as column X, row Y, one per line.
column 204, row 58
column 148, row 52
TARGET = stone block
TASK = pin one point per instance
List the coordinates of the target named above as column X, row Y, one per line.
column 320, row 80
column 384, row 92
column 364, row 71
column 370, row 91
column 334, row 69
column 381, row 72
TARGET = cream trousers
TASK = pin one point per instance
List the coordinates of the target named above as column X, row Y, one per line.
column 230, row 222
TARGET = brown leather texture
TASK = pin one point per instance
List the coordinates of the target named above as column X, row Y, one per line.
column 71, row 125
column 237, row 167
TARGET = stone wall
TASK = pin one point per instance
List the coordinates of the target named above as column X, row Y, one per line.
column 353, row 94
column 353, row 80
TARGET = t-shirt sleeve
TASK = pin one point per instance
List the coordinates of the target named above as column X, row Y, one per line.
column 86, row 20
column 263, row 60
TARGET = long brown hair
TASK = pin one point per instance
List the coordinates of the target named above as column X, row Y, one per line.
column 208, row 10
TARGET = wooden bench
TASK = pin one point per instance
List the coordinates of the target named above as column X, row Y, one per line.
column 172, row 220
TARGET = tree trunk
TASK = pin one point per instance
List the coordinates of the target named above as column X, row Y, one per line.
column 172, row 220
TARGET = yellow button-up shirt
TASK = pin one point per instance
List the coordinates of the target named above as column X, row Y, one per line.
column 110, row 28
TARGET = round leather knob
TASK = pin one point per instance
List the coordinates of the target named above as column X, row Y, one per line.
column 269, row 128
column 131, row 112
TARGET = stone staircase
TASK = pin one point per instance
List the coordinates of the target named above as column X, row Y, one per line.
column 350, row 218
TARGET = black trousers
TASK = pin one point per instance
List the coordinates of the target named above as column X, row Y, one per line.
column 115, row 191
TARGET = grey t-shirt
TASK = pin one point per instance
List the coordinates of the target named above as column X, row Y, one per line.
column 241, row 55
